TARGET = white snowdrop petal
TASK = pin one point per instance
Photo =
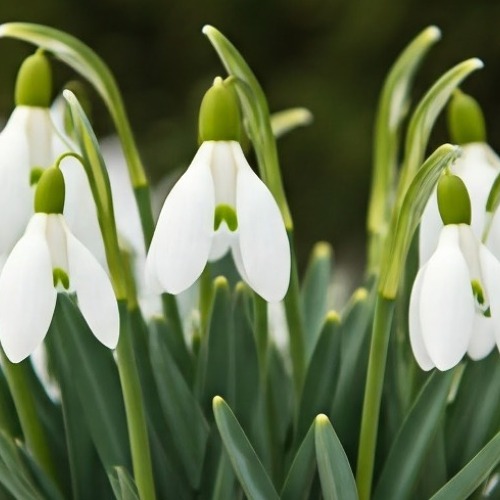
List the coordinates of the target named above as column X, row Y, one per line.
column 223, row 169
column 80, row 211
column 27, row 293
column 416, row 339
column 491, row 276
column 94, row 292
column 446, row 302
column 183, row 234
column 238, row 259
column 482, row 340
column 430, row 227
column 265, row 250
column 16, row 198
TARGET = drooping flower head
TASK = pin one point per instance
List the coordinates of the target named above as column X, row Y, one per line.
column 48, row 259
column 29, row 144
column 455, row 300
column 217, row 205
column 478, row 166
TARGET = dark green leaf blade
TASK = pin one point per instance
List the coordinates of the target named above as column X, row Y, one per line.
column 247, row 466
column 335, row 473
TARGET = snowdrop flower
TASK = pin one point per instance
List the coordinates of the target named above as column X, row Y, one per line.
column 217, row 205
column 29, row 143
column 48, row 259
column 478, row 166
column 455, row 300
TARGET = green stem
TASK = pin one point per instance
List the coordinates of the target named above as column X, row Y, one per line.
column 134, row 408
column 295, row 323
column 20, row 388
column 261, row 336
column 384, row 310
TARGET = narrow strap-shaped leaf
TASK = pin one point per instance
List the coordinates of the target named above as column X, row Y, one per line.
column 246, row 464
column 225, row 480
column 412, row 442
column 473, row 474
column 215, row 371
column 180, row 408
column 283, row 122
column 314, row 294
column 337, row 480
column 321, row 378
column 14, row 475
column 301, row 474
column 94, row 372
column 123, row 485
column 392, row 109
column 473, row 417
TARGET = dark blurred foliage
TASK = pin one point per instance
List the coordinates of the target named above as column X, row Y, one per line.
column 330, row 56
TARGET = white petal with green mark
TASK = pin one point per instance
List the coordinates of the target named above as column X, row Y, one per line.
column 27, row 294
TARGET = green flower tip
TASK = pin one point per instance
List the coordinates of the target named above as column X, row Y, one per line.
column 465, row 119
column 322, row 419
column 34, row 82
column 60, row 276
column 219, row 114
column 453, row 200
column 332, row 317
column 323, row 250
column 220, row 282
column 360, row 294
column 50, row 192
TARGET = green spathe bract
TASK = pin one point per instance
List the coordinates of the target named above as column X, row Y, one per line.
column 34, row 82
column 465, row 119
column 453, row 200
column 50, row 192
column 219, row 114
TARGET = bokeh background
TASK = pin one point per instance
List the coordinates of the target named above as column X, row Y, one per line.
column 330, row 56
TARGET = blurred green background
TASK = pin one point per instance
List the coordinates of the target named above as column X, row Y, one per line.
column 329, row 56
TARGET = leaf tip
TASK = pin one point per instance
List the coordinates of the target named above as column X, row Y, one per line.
column 322, row 420
column 217, row 402
column 220, row 282
column 207, row 30
column 323, row 250
column 332, row 317
column 360, row 295
column 432, row 33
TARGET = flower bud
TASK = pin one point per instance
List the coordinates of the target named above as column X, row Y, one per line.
column 465, row 119
column 50, row 192
column 219, row 114
column 34, row 82
column 453, row 200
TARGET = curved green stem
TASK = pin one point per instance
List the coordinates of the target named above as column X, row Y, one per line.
column 20, row 388
column 384, row 310
column 134, row 408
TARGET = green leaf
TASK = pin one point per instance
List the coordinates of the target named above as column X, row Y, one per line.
column 321, row 379
column 95, row 379
column 473, row 417
column 355, row 328
column 90, row 66
column 14, row 475
column 414, row 438
column 247, row 466
column 123, row 485
column 225, row 480
column 314, row 294
column 215, row 369
column 337, row 480
column 299, row 479
column 423, row 119
column 473, row 474
column 180, row 408
column 392, row 109
column 283, row 122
